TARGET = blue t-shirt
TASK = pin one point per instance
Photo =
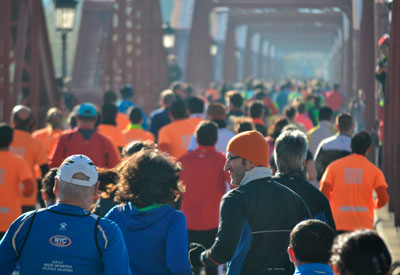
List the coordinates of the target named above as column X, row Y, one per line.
column 62, row 240
column 313, row 269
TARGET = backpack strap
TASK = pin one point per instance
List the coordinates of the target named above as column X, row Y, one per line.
column 18, row 253
column 96, row 239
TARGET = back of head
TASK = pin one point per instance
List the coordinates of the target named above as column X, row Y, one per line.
column 277, row 127
column 344, row 122
column 48, row 185
column 290, row 151
column 109, row 113
column 178, row 109
column 109, row 97
column 360, row 252
column 360, row 142
column 167, row 97
column 243, row 124
column 136, row 146
column 135, row 115
column 177, row 85
column 195, row 105
column 311, row 241
column 142, row 187
column 325, row 113
column 236, row 99
column 87, row 112
column 250, row 145
column 77, row 177
column 259, row 94
column 336, row 86
column 22, row 118
column 289, row 112
column 127, row 92
column 256, row 109
column 207, row 133
column 6, row 135
column 216, row 111
column 54, row 117
column 301, row 107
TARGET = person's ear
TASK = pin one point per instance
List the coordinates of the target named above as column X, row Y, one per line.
column 56, row 187
column 290, row 252
column 249, row 165
column 96, row 194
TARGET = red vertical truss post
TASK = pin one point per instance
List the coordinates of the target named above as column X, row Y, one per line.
column 5, row 61
column 24, row 8
column 230, row 60
column 138, row 57
column 248, row 55
column 366, row 76
column 35, row 60
column 391, row 138
column 199, row 60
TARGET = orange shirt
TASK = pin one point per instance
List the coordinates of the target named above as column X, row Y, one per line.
column 351, row 181
column 174, row 138
column 33, row 151
column 137, row 134
column 122, row 121
column 13, row 170
column 113, row 133
column 48, row 137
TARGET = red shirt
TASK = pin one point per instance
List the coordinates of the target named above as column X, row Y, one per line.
column 98, row 148
column 303, row 119
column 205, row 179
column 334, row 99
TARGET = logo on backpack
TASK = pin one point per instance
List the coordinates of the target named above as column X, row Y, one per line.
column 60, row 241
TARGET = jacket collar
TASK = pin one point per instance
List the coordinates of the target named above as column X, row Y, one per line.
column 255, row 174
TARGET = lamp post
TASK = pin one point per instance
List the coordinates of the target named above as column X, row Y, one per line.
column 168, row 36
column 65, row 20
column 213, row 48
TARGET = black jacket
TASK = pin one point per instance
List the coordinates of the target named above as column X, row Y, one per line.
column 316, row 201
column 255, row 222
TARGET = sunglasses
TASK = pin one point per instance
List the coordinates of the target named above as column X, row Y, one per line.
column 229, row 157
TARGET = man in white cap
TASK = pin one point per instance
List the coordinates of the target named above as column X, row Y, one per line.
column 66, row 237
column 256, row 218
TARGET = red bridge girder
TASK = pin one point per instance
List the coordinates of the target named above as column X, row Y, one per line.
column 26, row 69
column 120, row 43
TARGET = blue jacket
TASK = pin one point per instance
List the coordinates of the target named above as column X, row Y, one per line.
column 156, row 238
column 63, row 238
column 313, row 269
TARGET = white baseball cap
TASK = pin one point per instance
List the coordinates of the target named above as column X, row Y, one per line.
column 78, row 164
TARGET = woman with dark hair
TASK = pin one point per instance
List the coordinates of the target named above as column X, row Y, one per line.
column 274, row 133
column 109, row 177
column 154, row 232
column 360, row 252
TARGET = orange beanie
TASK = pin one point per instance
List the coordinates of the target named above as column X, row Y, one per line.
column 250, row 145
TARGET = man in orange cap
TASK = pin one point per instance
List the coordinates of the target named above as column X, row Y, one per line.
column 255, row 218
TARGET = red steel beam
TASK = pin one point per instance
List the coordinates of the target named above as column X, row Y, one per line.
column 199, row 61
column 5, row 61
column 391, row 138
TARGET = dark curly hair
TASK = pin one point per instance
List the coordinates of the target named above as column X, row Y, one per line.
column 149, row 177
column 360, row 252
